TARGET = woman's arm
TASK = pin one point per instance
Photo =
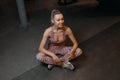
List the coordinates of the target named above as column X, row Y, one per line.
column 43, row 42
column 73, row 39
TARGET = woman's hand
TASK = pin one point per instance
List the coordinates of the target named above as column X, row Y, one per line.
column 71, row 56
column 57, row 60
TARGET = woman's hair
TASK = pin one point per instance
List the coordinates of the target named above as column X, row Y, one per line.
column 54, row 12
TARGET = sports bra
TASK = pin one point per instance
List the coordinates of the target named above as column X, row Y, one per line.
column 52, row 40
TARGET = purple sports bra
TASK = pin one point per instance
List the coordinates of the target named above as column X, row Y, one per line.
column 52, row 40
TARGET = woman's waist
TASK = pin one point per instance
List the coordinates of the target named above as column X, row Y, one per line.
column 56, row 44
column 55, row 47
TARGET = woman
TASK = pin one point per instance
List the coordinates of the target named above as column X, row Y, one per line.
column 57, row 34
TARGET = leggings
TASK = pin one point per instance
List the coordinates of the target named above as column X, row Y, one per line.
column 63, row 52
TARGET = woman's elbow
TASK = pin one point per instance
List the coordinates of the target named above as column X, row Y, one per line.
column 40, row 49
column 76, row 44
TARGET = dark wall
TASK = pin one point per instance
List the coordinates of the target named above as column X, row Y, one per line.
column 7, row 5
column 109, row 3
column 4, row 2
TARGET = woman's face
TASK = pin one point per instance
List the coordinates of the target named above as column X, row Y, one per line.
column 58, row 20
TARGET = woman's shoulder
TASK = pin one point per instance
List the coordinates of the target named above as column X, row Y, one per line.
column 47, row 30
column 67, row 28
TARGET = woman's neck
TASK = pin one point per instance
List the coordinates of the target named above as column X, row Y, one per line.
column 58, row 29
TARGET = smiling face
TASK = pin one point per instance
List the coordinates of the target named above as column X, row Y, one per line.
column 58, row 20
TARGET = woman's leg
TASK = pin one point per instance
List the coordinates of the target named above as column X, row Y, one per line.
column 44, row 58
column 78, row 52
column 65, row 52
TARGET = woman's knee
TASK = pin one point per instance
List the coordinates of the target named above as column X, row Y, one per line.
column 78, row 51
column 39, row 56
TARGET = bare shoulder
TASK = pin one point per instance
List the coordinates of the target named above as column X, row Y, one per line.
column 68, row 29
column 47, row 31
